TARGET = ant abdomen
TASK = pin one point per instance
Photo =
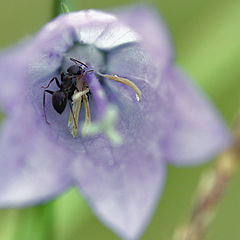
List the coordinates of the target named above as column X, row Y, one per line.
column 59, row 101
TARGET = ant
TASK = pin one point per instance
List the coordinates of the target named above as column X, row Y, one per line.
column 67, row 87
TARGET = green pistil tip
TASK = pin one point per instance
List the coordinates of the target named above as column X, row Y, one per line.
column 64, row 8
column 106, row 126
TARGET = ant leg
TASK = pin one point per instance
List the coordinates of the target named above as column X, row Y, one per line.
column 76, row 62
column 70, row 105
column 54, row 78
column 62, row 75
column 44, row 110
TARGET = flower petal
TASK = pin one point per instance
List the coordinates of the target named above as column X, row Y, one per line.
column 13, row 70
column 33, row 167
column 133, row 62
column 91, row 27
column 156, row 39
column 197, row 131
column 124, row 183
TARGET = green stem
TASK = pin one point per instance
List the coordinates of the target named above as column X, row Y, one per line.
column 212, row 187
column 35, row 223
column 60, row 7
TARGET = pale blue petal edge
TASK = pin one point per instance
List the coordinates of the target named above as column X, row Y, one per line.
column 197, row 131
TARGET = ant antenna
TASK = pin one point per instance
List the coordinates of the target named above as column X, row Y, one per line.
column 76, row 62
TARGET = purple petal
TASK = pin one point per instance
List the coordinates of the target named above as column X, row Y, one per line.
column 123, row 184
column 33, row 167
column 13, row 70
column 153, row 32
column 28, row 154
column 133, row 62
column 91, row 27
column 198, row 132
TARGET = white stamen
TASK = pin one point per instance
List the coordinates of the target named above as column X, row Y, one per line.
column 78, row 95
column 137, row 97
column 87, row 121
column 76, row 110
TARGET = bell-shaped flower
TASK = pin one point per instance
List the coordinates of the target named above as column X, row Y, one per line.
column 118, row 109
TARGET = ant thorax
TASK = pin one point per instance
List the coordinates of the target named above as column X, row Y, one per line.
column 75, row 87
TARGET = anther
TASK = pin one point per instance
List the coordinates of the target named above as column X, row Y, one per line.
column 75, row 114
column 87, row 121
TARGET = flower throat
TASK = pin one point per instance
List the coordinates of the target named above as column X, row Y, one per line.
column 74, row 89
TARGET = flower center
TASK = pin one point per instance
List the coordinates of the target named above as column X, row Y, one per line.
column 80, row 96
column 86, row 86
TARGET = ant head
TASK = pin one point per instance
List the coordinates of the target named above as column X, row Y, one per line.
column 75, row 70
column 64, row 78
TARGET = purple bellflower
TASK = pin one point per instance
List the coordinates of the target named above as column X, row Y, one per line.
column 131, row 116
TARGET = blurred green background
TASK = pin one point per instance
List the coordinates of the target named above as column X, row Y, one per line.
column 206, row 35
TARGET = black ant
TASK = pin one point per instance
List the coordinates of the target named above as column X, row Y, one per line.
column 67, row 87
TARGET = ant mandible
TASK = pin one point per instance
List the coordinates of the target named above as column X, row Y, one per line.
column 67, row 87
